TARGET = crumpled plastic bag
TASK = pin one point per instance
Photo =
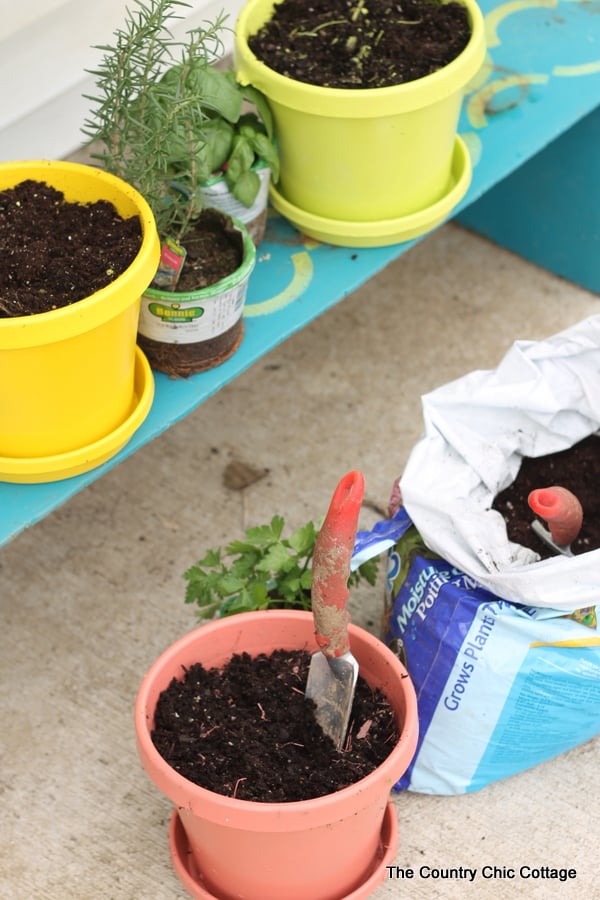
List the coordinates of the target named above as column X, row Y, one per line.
column 543, row 397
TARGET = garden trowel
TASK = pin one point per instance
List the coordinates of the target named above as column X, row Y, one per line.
column 563, row 513
column 333, row 670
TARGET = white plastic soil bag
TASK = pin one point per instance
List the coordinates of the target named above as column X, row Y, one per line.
column 543, row 397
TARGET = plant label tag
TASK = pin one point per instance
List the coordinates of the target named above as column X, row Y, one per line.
column 172, row 258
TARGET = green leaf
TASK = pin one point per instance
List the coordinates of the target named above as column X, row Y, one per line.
column 239, row 547
column 216, row 92
column 277, row 526
column 218, row 137
column 367, row 571
column 303, row 539
column 210, row 558
column 262, row 535
column 277, row 559
column 229, row 584
column 245, row 188
column 246, row 601
column 201, row 593
column 259, row 595
column 240, row 159
column 239, row 603
column 306, row 580
column 292, row 584
column 264, row 149
column 245, row 566
column 207, row 612
column 261, row 103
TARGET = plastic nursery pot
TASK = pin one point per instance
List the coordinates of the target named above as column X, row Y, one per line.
column 216, row 193
column 365, row 167
column 328, row 848
column 183, row 333
column 73, row 386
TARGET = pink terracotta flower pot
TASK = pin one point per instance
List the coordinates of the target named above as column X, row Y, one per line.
column 329, row 848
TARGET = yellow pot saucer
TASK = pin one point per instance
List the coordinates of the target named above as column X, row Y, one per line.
column 76, row 462
column 386, row 231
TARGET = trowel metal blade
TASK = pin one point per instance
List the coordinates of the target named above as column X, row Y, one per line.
column 330, row 685
column 546, row 537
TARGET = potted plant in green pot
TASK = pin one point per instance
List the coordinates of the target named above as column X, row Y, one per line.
column 370, row 162
column 176, row 127
column 73, row 385
column 336, row 839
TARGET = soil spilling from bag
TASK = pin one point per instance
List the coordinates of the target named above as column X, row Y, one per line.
column 54, row 252
column 357, row 44
column 578, row 470
column 247, row 731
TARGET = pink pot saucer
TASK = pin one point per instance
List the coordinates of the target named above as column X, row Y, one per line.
column 191, row 878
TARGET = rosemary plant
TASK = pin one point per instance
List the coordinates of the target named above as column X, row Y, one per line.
column 166, row 118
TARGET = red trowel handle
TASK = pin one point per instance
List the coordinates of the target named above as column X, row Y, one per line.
column 331, row 565
column 562, row 511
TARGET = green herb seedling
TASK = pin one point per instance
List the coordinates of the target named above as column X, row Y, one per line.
column 264, row 570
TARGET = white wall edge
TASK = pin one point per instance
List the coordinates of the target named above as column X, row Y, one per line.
column 44, row 119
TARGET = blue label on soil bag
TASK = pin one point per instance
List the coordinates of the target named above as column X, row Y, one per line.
column 432, row 613
column 553, row 705
column 500, row 686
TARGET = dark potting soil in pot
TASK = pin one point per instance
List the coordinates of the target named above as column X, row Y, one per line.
column 578, row 470
column 54, row 252
column 215, row 249
column 247, row 731
column 361, row 43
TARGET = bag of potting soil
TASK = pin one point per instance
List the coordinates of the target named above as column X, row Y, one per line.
column 544, row 397
column 500, row 686
column 502, row 646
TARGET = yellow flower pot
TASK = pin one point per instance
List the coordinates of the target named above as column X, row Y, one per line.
column 365, row 167
column 73, row 386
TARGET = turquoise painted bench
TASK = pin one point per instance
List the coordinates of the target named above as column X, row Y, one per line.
column 532, row 124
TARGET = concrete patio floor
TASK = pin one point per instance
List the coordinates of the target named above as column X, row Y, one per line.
column 91, row 595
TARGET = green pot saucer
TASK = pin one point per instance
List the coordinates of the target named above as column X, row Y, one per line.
column 386, row 231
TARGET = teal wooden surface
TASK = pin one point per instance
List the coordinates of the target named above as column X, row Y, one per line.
column 541, row 76
column 548, row 210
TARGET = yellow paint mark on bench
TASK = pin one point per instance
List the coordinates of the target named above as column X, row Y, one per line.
column 572, row 71
column 496, row 16
column 303, row 273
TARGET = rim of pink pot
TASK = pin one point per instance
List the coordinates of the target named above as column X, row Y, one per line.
column 287, row 815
